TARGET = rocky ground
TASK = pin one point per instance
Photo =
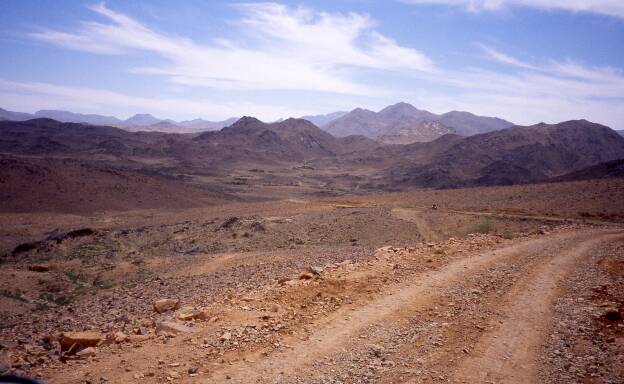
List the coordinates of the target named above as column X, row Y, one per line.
column 316, row 292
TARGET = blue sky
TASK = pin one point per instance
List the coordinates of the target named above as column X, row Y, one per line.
column 523, row 60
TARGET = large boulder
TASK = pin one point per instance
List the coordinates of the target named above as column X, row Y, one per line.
column 73, row 342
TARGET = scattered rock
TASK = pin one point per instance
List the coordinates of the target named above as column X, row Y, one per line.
column 164, row 305
column 138, row 338
column 189, row 313
column 377, row 350
column 87, row 352
column 4, row 363
column 173, row 328
column 306, row 276
column 38, row 268
column 229, row 222
column 120, row 337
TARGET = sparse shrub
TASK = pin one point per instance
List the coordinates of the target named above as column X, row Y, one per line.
column 484, row 225
column 58, row 300
column 75, row 277
column 508, row 235
column 102, row 284
column 41, row 307
column 13, row 295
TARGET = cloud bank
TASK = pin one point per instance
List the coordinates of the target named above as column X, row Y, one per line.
column 613, row 8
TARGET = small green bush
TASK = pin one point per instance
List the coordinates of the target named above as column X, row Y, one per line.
column 484, row 225
column 13, row 295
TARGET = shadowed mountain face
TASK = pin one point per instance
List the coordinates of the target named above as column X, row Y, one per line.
column 402, row 124
column 289, row 140
column 515, row 155
column 247, row 140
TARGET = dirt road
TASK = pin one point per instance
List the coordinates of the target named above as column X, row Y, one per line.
column 466, row 311
column 414, row 216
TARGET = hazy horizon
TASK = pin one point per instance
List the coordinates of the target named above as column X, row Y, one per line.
column 523, row 61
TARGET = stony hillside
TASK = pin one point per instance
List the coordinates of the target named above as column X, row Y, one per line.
column 514, row 155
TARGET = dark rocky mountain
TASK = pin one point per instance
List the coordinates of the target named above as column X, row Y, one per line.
column 287, row 140
column 621, row 132
column 247, row 141
column 322, row 120
column 403, row 123
column 512, row 156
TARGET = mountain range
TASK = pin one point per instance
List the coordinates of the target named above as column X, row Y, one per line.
column 402, row 123
column 509, row 156
column 138, row 122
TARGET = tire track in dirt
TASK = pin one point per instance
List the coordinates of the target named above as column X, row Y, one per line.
column 510, row 353
column 338, row 332
column 412, row 216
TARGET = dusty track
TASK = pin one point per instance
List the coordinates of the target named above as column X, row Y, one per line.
column 394, row 306
column 510, row 353
column 413, row 216
column 336, row 334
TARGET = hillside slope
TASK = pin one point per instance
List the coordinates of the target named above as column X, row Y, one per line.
column 514, row 155
column 70, row 186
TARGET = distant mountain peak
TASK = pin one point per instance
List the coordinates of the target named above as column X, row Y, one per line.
column 142, row 119
column 399, row 107
column 247, row 120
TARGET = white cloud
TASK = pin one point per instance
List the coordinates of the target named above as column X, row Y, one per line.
column 30, row 96
column 285, row 49
column 604, row 7
column 299, row 49
column 503, row 58
column 528, row 93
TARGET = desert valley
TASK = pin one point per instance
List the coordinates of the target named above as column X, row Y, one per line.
column 312, row 192
column 278, row 252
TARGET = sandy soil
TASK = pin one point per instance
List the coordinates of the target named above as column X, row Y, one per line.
column 356, row 290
